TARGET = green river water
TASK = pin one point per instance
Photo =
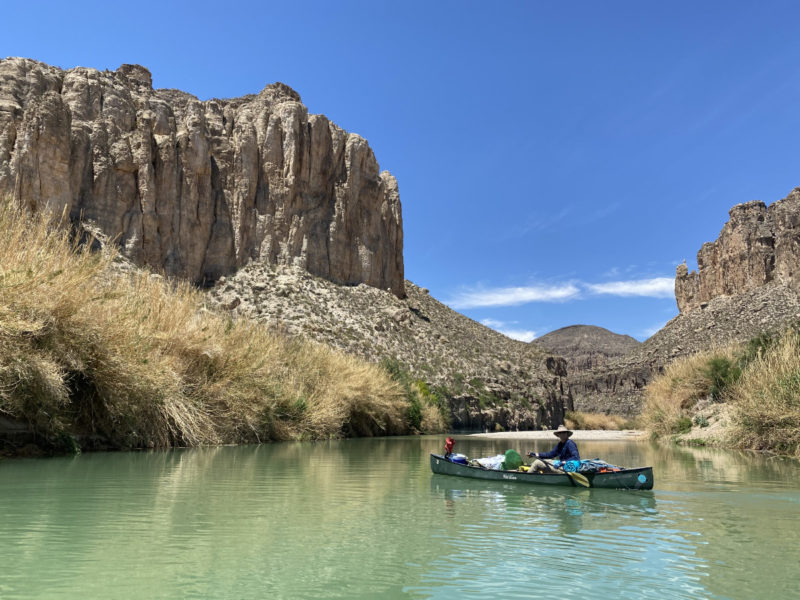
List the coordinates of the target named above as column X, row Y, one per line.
column 367, row 519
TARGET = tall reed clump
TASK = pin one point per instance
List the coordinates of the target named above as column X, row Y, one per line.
column 669, row 398
column 427, row 409
column 140, row 362
column 766, row 399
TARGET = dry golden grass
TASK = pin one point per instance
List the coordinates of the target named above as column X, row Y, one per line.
column 669, row 397
column 141, row 361
column 764, row 395
column 584, row 420
column 766, row 400
column 432, row 420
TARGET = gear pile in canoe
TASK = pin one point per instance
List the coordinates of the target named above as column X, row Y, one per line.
column 510, row 467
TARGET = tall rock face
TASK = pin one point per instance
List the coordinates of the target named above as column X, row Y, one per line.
column 756, row 246
column 199, row 188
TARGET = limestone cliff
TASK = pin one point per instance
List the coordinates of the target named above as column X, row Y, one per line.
column 756, row 246
column 199, row 188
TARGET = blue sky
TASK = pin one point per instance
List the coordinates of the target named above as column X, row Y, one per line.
column 556, row 161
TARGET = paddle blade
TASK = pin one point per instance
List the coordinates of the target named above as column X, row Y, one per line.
column 579, row 478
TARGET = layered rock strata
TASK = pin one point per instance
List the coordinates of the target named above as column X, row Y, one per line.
column 757, row 245
column 197, row 189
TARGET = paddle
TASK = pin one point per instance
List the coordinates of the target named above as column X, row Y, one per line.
column 576, row 477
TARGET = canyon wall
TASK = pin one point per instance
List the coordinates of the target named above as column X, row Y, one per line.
column 747, row 284
column 756, row 246
column 198, row 189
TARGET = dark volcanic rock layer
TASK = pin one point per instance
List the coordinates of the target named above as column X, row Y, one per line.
column 199, row 188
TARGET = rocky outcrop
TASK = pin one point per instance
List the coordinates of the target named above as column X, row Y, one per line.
column 747, row 284
column 198, row 189
column 617, row 386
column 756, row 246
column 488, row 381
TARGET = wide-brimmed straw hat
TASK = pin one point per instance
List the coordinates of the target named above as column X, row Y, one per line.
column 562, row 429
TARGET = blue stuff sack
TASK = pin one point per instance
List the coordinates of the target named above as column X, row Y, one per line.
column 458, row 458
column 571, row 466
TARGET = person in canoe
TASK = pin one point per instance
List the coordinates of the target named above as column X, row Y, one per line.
column 566, row 450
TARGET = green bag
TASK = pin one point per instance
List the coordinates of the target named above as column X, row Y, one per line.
column 512, row 461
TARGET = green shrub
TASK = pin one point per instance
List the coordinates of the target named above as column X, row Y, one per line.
column 423, row 402
column 414, row 412
column 721, row 373
column 682, row 425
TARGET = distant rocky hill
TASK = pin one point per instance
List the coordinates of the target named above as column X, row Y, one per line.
column 747, row 284
column 197, row 189
column 487, row 380
column 586, row 346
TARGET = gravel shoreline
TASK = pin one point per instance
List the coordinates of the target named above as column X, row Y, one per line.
column 578, row 435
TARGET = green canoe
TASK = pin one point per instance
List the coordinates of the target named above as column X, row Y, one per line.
column 626, row 479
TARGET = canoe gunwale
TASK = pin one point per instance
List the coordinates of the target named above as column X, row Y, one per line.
column 640, row 478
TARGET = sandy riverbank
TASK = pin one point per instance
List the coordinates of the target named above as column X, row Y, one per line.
column 579, row 435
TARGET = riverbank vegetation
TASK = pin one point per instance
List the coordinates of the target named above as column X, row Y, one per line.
column 755, row 388
column 95, row 352
column 427, row 406
column 597, row 421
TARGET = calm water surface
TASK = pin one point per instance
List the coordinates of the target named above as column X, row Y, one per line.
column 367, row 519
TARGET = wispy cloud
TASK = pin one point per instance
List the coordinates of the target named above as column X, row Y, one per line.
column 514, row 296
column 523, row 335
column 493, row 323
column 657, row 287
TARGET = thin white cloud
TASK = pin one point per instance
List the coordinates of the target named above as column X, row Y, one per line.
column 523, row 335
column 513, row 296
column 657, row 287
column 519, row 334
column 493, row 323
